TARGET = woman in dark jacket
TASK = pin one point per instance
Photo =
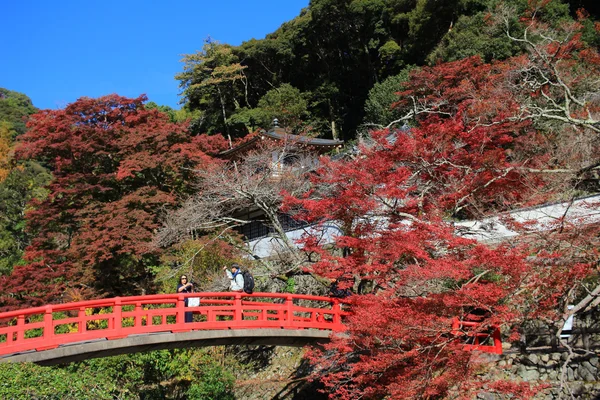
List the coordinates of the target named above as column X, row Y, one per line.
column 186, row 287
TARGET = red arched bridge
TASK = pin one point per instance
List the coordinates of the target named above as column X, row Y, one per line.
column 60, row 333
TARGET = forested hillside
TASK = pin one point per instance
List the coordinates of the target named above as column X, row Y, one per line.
column 315, row 72
column 452, row 110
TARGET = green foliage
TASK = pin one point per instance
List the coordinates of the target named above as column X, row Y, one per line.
column 164, row 109
column 181, row 115
column 290, row 286
column 378, row 107
column 202, row 260
column 215, row 383
column 332, row 53
column 286, row 103
column 15, row 107
column 335, row 51
column 29, row 381
column 212, row 82
column 177, row 374
column 472, row 36
column 24, row 183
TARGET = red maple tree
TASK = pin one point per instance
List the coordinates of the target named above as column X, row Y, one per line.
column 483, row 142
column 115, row 166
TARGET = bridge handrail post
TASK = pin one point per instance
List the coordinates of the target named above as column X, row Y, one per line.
column 289, row 302
column 117, row 316
column 496, row 336
column 48, row 325
column 20, row 327
column 81, row 323
column 138, row 314
column 179, row 318
column 237, row 307
column 336, row 307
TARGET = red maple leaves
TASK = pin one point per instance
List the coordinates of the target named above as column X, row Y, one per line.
column 115, row 166
column 483, row 143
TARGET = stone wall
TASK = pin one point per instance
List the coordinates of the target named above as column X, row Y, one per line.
column 579, row 380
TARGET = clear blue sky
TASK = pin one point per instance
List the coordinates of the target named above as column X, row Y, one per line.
column 58, row 51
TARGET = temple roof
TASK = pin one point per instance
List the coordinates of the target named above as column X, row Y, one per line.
column 279, row 134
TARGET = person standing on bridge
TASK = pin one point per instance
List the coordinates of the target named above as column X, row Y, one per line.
column 186, row 287
column 236, row 279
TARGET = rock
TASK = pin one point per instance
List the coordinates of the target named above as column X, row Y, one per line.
column 553, row 375
column 578, row 389
column 485, row 357
column 533, row 358
column 531, row 375
column 594, row 361
column 502, row 363
column 570, row 375
column 545, row 358
column 588, row 365
column 556, row 356
column 586, row 375
column 585, row 372
column 486, row 396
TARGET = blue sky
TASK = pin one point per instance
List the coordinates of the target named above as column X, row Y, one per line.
column 57, row 51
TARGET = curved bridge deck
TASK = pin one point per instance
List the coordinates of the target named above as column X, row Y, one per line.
column 60, row 333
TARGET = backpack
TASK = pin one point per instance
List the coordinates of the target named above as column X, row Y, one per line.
column 248, row 282
column 335, row 291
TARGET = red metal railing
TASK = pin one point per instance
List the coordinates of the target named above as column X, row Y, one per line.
column 487, row 342
column 47, row 327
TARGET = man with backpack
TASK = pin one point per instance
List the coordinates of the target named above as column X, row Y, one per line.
column 335, row 291
column 236, row 278
column 239, row 281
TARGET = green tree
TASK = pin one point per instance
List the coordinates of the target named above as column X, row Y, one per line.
column 24, row 183
column 286, row 103
column 472, row 36
column 15, row 107
column 213, row 81
column 379, row 110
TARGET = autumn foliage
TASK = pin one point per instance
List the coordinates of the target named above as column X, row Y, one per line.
column 115, row 166
column 487, row 138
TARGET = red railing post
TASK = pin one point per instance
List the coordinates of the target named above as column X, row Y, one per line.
column 20, row 328
column 289, row 303
column 48, row 325
column 81, row 322
column 117, row 316
column 237, row 307
column 337, row 314
column 180, row 314
column 138, row 314
column 497, row 340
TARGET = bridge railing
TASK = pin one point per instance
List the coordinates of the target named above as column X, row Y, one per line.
column 486, row 342
column 50, row 326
